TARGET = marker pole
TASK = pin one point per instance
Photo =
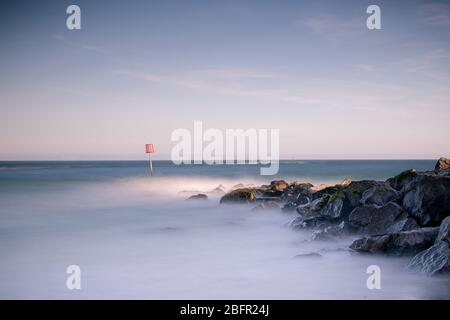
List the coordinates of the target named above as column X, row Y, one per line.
column 150, row 162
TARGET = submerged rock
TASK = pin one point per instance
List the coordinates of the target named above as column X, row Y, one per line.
column 433, row 260
column 219, row 189
column 312, row 255
column 244, row 195
column 199, row 196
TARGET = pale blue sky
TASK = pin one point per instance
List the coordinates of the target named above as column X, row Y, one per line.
column 137, row 70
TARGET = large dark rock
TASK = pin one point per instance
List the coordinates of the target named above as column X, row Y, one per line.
column 444, row 231
column 403, row 179
column 427, row 198
column 442, row 164
column 435, row 259
column 405, row 242
column 379, row 194
column 374, row 220
column 244, row 195
column 335, row 203
column 352, row 194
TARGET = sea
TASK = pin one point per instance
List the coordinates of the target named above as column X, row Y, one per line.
column 135, row 236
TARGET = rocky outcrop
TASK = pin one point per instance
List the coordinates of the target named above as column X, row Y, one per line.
column 400, row 216
column 244, row 195
column 442, row 164
column 405, row 242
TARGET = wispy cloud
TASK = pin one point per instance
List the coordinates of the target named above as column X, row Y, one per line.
column 437, row 13
column 427, row 64
column 365, row 67
column 79, row 45
column 332, row 27
column 315, row 94
column 203, row 81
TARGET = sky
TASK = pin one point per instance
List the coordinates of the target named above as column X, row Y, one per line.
column 138, row 70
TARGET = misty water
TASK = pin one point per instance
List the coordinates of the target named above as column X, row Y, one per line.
column 135, row 236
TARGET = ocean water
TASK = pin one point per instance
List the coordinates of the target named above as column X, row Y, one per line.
column 135, row 236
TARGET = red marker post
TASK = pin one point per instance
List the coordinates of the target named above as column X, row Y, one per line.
column 149, row 149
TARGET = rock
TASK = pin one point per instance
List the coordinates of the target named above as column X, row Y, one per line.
column 330, row 233
column 312, row 255
column 351, row 195
column 278, row 185
column 289, row 207
column 401, row 180
column 199, row 196
column 444, row 231
column 334, row 206
column 272, row 193
column 405, row 242
column 328, row 191
column 379, row 194
column 435, row 259
column 442, row 164
column 411, row 241
column 346, row 182
column 427, row 198
column 265, row 206
column 300, row 186
column 364, row 244
column 403, row 224
column 375, row 220
column 309, row 222
column 298, row 193
column 334, row 203
column 268, row 199
column 244, row 195
column 312, row 208
column 219, row 189
column 297, row 223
